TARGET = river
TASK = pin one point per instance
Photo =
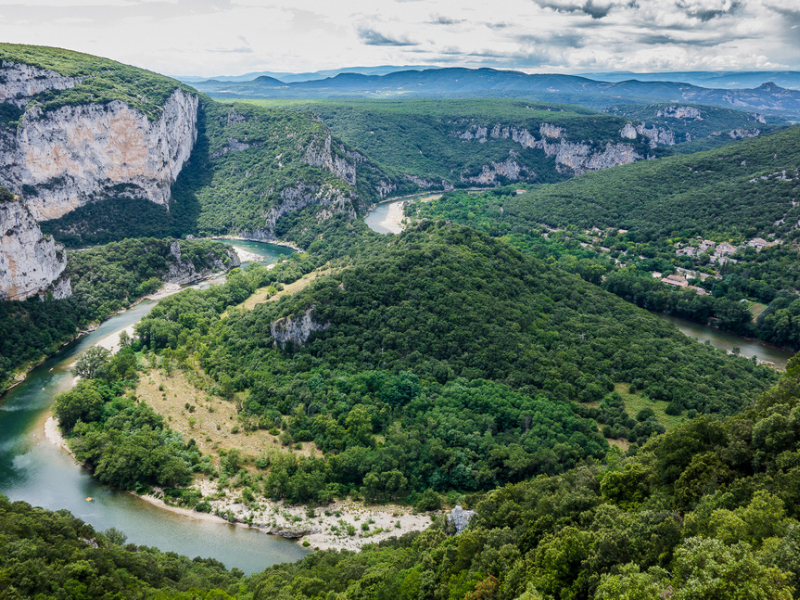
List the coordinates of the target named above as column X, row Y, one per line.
column 269, row 253
column 728, row 341
column 33, row 470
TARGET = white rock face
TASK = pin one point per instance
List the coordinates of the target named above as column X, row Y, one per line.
column 740, row 134
column 657, row 136
column 508, row 169
column 578, row 157
column 184, row 271
column 30, row 263
column 66, row 158
column 681, row 112
column 550, row 131
column 460, row 518
column 21, row 82
column 296, row 329
column 331, row 200
column 320, row 155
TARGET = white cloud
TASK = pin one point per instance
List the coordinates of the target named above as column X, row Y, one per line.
column 213, row 37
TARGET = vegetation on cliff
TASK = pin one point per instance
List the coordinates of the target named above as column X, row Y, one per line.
column 104, row 279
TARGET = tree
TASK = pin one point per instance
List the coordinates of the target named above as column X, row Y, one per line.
column 91, row 362
column 82, row 403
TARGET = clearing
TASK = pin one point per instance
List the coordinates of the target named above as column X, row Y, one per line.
column 634, row 403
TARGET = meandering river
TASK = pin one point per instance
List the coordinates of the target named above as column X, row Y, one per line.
column 35, row 471
column 728, row 341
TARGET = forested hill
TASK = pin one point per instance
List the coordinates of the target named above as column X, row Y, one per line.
column 463, row 142
column 439, row 336
column 748, row 188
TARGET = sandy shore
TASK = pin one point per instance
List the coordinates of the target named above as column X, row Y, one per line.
column 327, row 528
column 394, row 216
column 254, row 239
column 53, row 434
column 246, row 256
column 324, row 529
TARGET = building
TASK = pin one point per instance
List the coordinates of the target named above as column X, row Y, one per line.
column 675, row 280
column 724, row 249
column 707, row 245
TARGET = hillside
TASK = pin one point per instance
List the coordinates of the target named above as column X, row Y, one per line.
column 710, row 496
column 103, row 280
column 481, row 142
column 748, row 188
column 435, row 337
column 470, row 83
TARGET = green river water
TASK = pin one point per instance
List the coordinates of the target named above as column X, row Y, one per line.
column 35, row 471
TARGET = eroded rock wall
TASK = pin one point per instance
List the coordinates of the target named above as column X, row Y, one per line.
column 63, row 159
column 30, row 263
column 296, row 329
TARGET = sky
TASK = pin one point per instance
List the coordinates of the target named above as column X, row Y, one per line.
column 231, row 37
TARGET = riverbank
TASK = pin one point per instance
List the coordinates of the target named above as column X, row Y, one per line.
column 341, row 525
column 392, row 222
column 282, row 243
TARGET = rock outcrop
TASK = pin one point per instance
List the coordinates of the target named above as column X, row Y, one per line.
column 680, row 112
column 740, row 134
column 183, row 271
column 30, row 263
column 458, row 519
column 509, row 169
column 331, row 200
column 21, row 82
column 571, row 157
column 319, row 154
column 657, row 136
column 296, row 330
column 62, row 159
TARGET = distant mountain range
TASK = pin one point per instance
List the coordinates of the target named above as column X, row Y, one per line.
column 709, row 79
column 766, row 98
column 295, row 77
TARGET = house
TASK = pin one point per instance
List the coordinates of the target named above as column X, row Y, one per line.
column 675, row 280
column 701, row 292
column 687, row 251
column 724, row 249
column 656, row 275
column 520, row 192
column 623, row 231
column 707, row 245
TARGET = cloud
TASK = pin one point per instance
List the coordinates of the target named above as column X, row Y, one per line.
column 374, row 38
column 240, row 50
column 706, row 10
column 442, row 20
column 597, row 9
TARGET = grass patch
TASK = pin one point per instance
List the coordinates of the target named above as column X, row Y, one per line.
column 756, row 308
column 634, row 403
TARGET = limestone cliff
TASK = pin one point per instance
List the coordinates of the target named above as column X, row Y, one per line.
column 65, row 158
column 21, row 82
column 184, row 271
column 30, row 263
column 572, row 157
column 296, row 329
column 319, row 154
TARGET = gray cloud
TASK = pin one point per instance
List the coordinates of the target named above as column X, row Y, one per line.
column 705, row 12
column 374, row 38
column 596, row 10
column 442, row 20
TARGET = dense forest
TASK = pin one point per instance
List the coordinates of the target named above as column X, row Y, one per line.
column 706, row 511
column 747, row 188
column 508, row 361
column 496, row 354
column 104, row 279
column 624, row 261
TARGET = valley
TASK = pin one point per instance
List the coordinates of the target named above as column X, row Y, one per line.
column 467, row 343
